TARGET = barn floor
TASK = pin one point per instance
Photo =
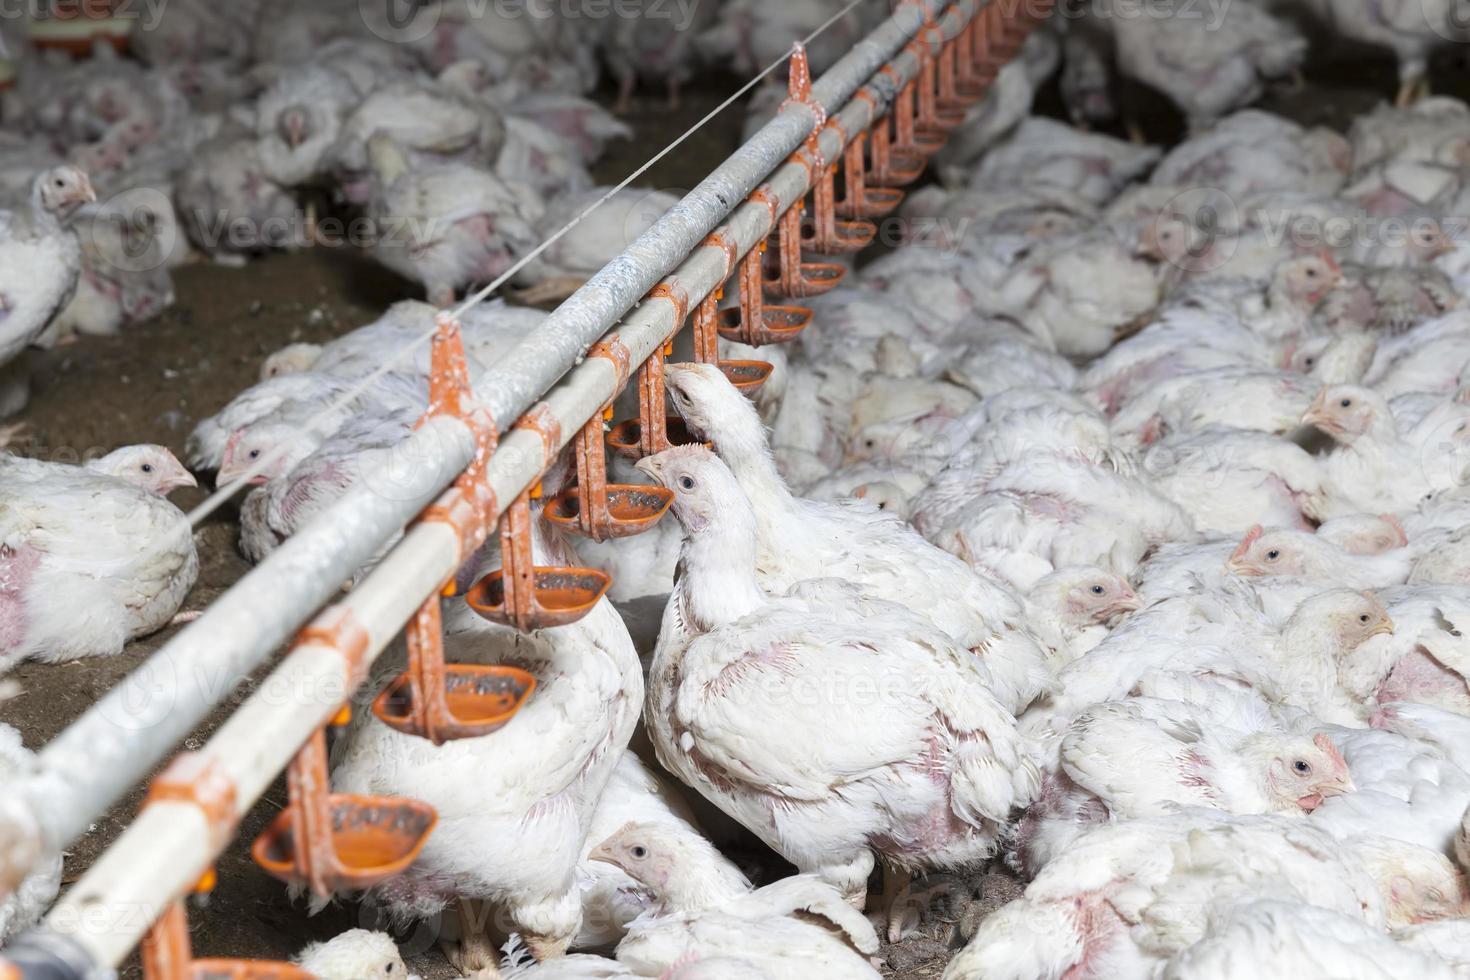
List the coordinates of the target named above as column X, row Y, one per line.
column 156, row 382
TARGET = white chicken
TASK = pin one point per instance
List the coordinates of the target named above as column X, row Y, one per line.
column 354, row 955
column 1411, row 31
column 1142, row 757
column 795, row 928
column 90, row 557
column 1127, row 897
column 448, row 225
column 512, row 840
column 40, row 262
column 1272, row 937
column 928, row 786
column 612, row 896
column 800, row 539
column 1207, row 69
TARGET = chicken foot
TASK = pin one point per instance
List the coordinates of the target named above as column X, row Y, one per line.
column 476, row 950
column 901, row 907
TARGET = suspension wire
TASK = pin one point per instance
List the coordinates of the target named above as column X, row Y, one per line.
column 221, row 495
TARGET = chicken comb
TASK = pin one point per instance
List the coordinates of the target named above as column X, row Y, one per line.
column 1250, row 538
column 231, row 444
column 1326, row 745
column 1398, row 527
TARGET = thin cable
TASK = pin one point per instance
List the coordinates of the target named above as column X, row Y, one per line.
column 221, row 495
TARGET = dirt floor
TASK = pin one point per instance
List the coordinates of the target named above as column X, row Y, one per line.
column 156, row 382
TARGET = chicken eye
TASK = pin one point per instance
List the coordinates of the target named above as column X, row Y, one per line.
column 1310, row 362
column 147, row 467
column 639, row 851
column 1346, row 403
column 1311, row 273
column 1301, row 767
column 1098, row 590
column 387, row 967
column 686, row 483
column 1363, row 618
column 1273, row 554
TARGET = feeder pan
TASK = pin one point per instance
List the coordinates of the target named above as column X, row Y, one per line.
column 794, row 277
column 626, row 437
column 372, row 838
column 167, row 956
column 562, row 596
column 338, row 842
column 957, row 91
column 245, row 970
column 846, row 236
column 828, row 234
column 779, row 324
column 875, row 202
column 478, row 700
column 528, row 597
column 814, row 279
column 862, row 201
column 594, row 507
column 753, row 322
column 631, row 509
column 74, row 26
column 746, row 376
column 893, row 166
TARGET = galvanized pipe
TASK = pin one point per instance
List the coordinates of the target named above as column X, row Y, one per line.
column 533, row 366
column 162, row 836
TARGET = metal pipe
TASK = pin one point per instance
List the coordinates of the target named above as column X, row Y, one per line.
column 117, row 742
column 538, row 361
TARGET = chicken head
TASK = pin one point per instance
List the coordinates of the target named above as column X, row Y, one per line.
column 64, row 189
column 153, row 468
column 1307, row 771
column 1344, row 412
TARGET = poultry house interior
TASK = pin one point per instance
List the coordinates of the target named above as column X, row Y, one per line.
column 1082, row 595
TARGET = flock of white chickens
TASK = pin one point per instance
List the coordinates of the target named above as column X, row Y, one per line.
column 1110, row 529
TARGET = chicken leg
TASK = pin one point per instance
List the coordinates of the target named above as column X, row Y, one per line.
column 902, row 906
column 12, row 434
column 626, row 84
column 475, row 951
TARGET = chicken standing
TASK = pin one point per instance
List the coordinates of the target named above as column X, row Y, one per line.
column 929, row 769
column 40, row 262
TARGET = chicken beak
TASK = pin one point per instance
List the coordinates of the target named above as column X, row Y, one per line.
column 604, row 852
column 230, row 472
column 653, row 467
column 181, row 480
column 1384, row 627
column 1338, row 787
column 1316, row 413
column 1238, row 566
column 1128, row 602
